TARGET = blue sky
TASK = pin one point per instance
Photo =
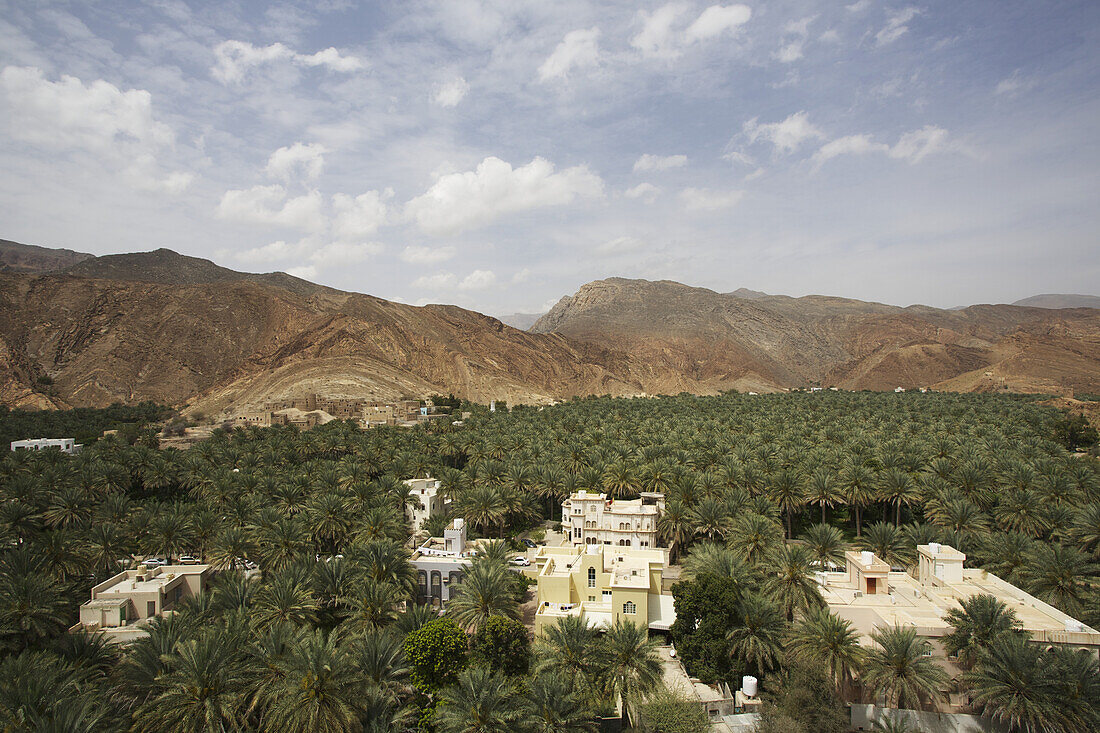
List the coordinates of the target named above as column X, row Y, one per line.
column 498, row 155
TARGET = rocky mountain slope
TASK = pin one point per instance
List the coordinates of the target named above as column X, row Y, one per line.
column 16, row 257
column 1060, row 300
column 181, row 330
column 718, row 340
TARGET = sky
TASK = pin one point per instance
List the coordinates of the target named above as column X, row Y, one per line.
column 499, row 154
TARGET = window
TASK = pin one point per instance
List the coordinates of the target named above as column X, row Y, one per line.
column 643, row 543
column 630, row 608
column 591, row 599
column 591, row 577
column 577, row 532
column 590, row 540
column 607, row 596
column 624, row 543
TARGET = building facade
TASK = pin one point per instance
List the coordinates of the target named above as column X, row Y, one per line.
column 869, row 595
column 65, row 445
column 603, row 585
column 431, row 501
column 121, row 603
column 441, row 561
column 592, row 519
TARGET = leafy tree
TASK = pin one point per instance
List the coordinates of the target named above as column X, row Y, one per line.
column 706, row 608
column 1075, row 433
column 501, row 643
column 436, row 653
column 671, row 711
column 802, row 699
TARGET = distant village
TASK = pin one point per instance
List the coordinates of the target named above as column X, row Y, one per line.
column 309, row 410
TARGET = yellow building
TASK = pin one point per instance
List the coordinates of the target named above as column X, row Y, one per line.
column 602, row 584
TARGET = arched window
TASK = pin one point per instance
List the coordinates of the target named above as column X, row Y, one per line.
column 590, row 540
column 624, row 543
column 630, row 608
column 591, row 577
column 437, row 587
column 423, row 583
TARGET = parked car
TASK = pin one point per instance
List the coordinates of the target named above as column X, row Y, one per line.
column 154, row 562
column 520, row 560
column 529, row 543
column 187, row 560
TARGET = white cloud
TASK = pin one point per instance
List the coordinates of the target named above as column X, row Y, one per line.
column 358, row 217
column 896, row 26
column 233, row 59
column 830, row 36
column 858, row 6
column 578, row 49
column 273, row 252
column 451, row 93
column 656, row 39
column 716, row 20
column 270, row 205
column 458, row 201
column 478, row 280
column 619, row 245
column 427, row 255
column 1013, row 85
column 68, row 114
column 645, row 191
column 337, row 254
column 521, row 276
column 439, row 281
column 659, row 162
column 916, row 145
column 912, row 146
column 299, row 158
column 787, row 135
column 319, row 256
column 850, row 145
column 306, row 272
column 791, row 50
column 659, row 39
column 702, row 199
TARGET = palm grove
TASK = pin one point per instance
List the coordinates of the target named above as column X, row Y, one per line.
column 328, row 637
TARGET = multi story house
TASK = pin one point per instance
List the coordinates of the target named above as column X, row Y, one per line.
column 120, row 604
column 592, row 519
column 602, row 584
column 431, row 501
column 441, row 561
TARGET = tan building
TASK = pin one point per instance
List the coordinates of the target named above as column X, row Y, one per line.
column 121, row 603
column 431, row 501
column 870, row 595
column 592, row 519
column 602, row 585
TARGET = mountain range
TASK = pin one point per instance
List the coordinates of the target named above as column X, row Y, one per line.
column 79, row 330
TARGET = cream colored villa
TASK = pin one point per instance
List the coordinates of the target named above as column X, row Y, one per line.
column 869, row 595
column 441, row 561
column 120, row 604
column 602, row 585
column 430, row 501
column 592, row 519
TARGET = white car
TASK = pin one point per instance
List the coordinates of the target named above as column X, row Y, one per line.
column 520, row 560
column 154, row 562
column 187, row 560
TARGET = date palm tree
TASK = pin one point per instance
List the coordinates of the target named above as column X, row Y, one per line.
column 786, row 490
column 755, row 536
column 897, row 486
column 485, row 590
column 709, row 557
column 1010, row 684
column 888, row 543
column 1060, row 575
column 552, row 705
column 321, row 690
column 822, row 489
column 480, row 701
column 981, row 619
column 710, row 518
column 202, row 690
column 631, row 668
column 901, row 667
column 791, row 582
column 826, row 543
column 822, row 637
column 571, row 649
column 758, row 640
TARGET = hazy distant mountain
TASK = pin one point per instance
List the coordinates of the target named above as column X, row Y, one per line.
column 699, row 340
column 1060, row 300
column 16, row 257
column 182, row 330
column 522, row 321
column 746, row 293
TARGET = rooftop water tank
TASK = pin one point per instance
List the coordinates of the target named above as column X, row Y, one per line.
column 934, row 548
column 867, row 557
column 459, row 522
column 748, row 685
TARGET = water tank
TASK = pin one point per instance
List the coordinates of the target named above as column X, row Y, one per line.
column 459, row 522
column 867, row 557
column 934, row 548
column 1074, row 625
column 748, row 686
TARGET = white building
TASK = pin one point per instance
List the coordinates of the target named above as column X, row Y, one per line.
column 65, row 445
column 441, row 561
column 593, row 519
column 431, row 501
